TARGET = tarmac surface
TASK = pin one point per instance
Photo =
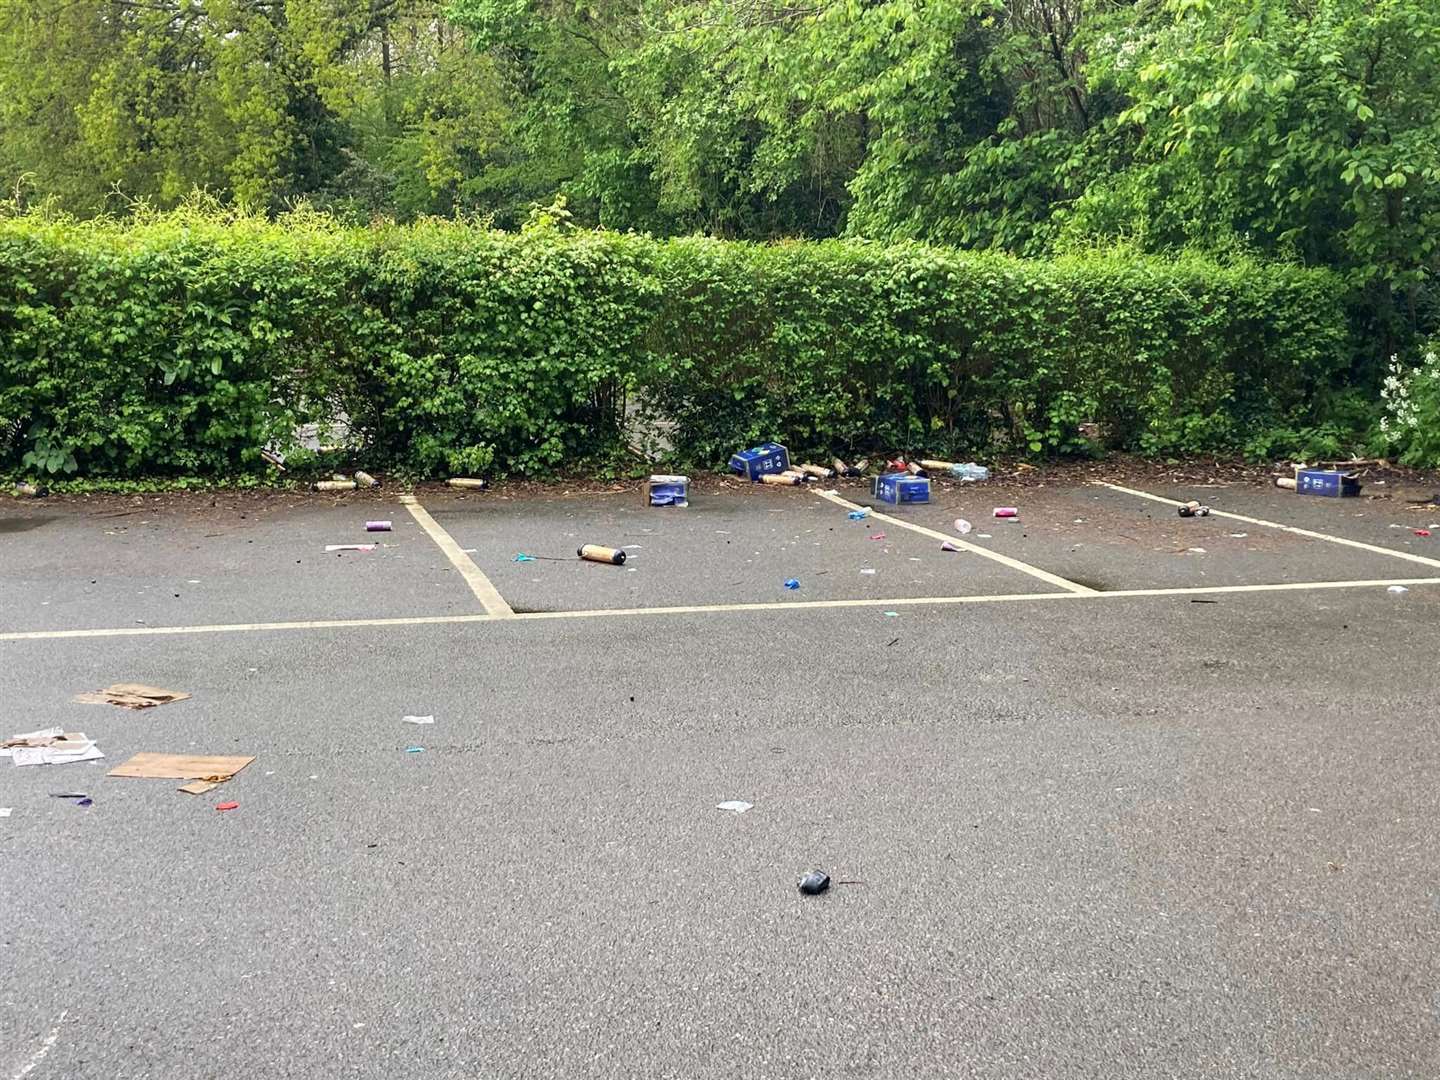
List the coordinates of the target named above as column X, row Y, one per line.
column 1141, row 797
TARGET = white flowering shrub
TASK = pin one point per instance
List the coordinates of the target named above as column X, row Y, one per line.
column 1411, row 424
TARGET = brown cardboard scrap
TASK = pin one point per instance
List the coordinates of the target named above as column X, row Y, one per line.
column 198, row 787
column 131, row 696
column 147, row 765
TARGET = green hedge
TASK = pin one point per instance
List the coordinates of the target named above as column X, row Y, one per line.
column 183, row 344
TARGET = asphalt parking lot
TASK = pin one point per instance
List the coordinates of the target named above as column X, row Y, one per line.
column 1114, row 793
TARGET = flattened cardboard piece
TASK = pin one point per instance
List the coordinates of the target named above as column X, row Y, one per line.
column 131, row 696
column 152, row 766
column 198, row 787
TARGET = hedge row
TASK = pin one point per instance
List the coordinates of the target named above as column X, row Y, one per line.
column 184, row 345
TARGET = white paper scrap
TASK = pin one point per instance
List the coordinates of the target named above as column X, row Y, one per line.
column 417, row 719
column 735, row 806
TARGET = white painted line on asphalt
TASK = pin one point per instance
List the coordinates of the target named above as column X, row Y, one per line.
column 965, row 545
column 489, row 596
column 45, row 1047
column 1376, row 548
column 705, row 609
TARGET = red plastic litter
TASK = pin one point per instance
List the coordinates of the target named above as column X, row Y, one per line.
column 1422, row 532
column 227, row 806
column 878, row 536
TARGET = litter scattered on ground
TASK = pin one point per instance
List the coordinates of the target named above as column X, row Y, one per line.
column 1195, row 551
column 666, row 489
column 472, row 482
column 198, row 787
column 901, row 488
column 859, row 515
column 1194, row 509
column 1422, row 532
column 50, row 746
column 1397, row 589
column 892, row 614
column 817, row 471
column 963, row 527
column 878, row 536
column 784, row 479
column 735, row 806
column 5, row 811
column 596, row 553
column 892, row 641
column 378, row 526
column 414, row 749
column 26, row 491
column 1006, row 512
column 364, row 479
column 522, row 557
column 131, row 696
column 148, row 765
column 417, row 719
column 767, row 459
column 334, row 485
column 348, row 547
column 227, row 806
column 867, row 570
column 814, row 883
column 969, row 472
column 946, row 545
column 1238, row 536
column 791, row 584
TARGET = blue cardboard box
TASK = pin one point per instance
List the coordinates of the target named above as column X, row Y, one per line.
column 1331, row 483
column 667, row 490
column 901, row 487
column 758, row 460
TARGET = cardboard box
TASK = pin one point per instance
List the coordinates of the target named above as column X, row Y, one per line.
column 1331, row 483
column 666, row 490
column 900, row 487
column 758, row 460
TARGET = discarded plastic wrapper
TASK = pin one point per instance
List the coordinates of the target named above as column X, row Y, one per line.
column 963, row 527
column 417, row 719
column 473, row 483
column 364, row 479
column 735, row 806
column 131, row 696
column 334, row 485
column 664, row 489
column 596, row 553
column 227, row 806
column 1006, row 512
column 378, row 526
column 814, row 883
column 1397, row 589
column 877, row 536
column 969, row 472
column 788, row 479
column 791, row 584
column 349, row 547
column 859, row 515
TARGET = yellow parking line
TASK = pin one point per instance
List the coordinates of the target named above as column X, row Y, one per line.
column 489, row 596
column 965, row 545
column 706, row 609
column 1376, row 548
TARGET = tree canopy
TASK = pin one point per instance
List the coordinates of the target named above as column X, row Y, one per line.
column 1302, row 130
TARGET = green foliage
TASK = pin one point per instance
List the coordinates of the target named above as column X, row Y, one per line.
column 184, row 343
column 1411, row 424
column 859, row 347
